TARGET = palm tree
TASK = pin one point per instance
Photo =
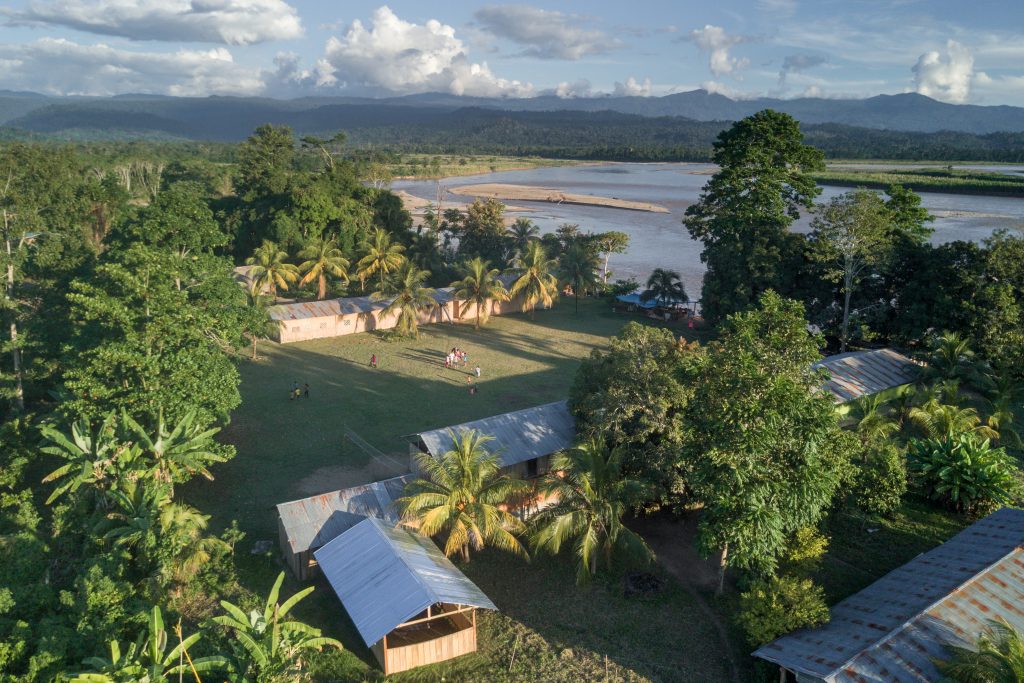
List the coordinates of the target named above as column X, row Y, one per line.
column 256, row 322
column 97, row 457
column 939, row 420
column 521, row 233
column 1003, row 402
column 178, row 453
column 323, row 258
column 950, row 359
column 269, row 649
column 270, row 269
column 536, row 281
column 593, row 495
column 480, row 285
column 578, row 267
column 664, row 287
column 463, row 495
column 998, row 657
column 382, row 257
column 411, row 295
column 135, row 520
column 147, row 660
column 873, row 422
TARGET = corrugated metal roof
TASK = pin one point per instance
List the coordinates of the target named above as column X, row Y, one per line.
column 385, row 576
column 313, row 522
column 891, row 630
column 518, row 436
column 860, row 373
column 333, row 307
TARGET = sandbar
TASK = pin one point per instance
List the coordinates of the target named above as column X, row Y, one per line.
column 529, row 193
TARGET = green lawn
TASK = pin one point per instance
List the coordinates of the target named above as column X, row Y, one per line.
column 290, row 449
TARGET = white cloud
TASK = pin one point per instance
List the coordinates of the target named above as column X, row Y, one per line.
column 404, row 57
column 61, row 67
column 717, row 43
column 235, row 22
column 794, row 64
column 946, row 78
column 567, row 90
column 546, row 34
column 632, row 88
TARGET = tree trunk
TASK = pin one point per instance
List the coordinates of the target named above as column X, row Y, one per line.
column 322, row 290
column 254, row 347
column 576, row 295
column 476, row 323
column 605, row 274
column 722, row 563
column 846, row 317
column 19, row 392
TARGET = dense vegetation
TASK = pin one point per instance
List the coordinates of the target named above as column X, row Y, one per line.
column 949, row 180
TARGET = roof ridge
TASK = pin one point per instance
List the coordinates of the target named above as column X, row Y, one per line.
column 380, row 525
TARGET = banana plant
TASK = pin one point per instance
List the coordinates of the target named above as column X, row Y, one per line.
column 94, row 456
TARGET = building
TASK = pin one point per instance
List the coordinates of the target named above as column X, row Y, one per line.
column 893, row 630
column 311, row 523
column 410, row 604
column 862, row 373
column 524, row 440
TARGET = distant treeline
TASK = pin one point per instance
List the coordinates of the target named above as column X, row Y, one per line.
column 928, row 180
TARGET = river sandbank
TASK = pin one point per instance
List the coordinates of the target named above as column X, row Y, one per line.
column 530, row 193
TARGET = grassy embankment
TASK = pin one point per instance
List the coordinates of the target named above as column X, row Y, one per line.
column 928, row 180
column 421, row 166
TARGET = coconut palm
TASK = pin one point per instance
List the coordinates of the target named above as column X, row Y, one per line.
column 410, row 296
column 93, row 456
column 939, row 420
column 521, row 233
column 269, row 648
column 998, row 657
column 578, row 267
column 872, row 419
column 664, row 287
column 1003, row 402
column 536, row 280
column 177, row 453
column 323, row 258
column 463, row 495
column 480, row 285
column 147, row 660
column 381, row 257
column 593, row 495
column 270, row 268
column 950, row 358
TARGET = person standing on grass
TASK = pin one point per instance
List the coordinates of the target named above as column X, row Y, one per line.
column 477, row 369
column 305, row 390
column 294, row 393
column 373, row 361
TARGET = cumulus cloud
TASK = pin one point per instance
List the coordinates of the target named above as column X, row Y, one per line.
column 947, row 78
column 717, row 43
column 61, row 67
column 567, row 90
column 404, row 57
column 633, row 88
column 234, row 22
column 546, row 34
column 798, row 64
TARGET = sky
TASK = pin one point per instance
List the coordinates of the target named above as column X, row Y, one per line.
column 954, row 51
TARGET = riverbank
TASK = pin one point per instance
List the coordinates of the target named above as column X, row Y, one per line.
column 530, row 193
column 951, row 181
column 429, row 166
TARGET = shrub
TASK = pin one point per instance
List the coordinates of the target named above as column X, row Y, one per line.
column 964, row 472
column 781, row 604
column 881, row 480
column 804, row 553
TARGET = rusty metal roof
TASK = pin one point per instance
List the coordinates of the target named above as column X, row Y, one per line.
column 861, row 373
column 518, row 436
column 892, row 630
column 301, row 310
column 313, row 522
column 385, row 576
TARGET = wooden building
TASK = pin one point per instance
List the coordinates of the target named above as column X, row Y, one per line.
column 410, row 604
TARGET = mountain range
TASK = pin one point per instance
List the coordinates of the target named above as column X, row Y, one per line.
column 234, row 118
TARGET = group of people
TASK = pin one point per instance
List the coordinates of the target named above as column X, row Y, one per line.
column 456, row 356
column 298, row 392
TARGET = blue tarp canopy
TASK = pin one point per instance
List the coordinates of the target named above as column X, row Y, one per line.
column 635, row 300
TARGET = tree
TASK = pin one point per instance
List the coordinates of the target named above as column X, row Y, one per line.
column 480, row 285
column 93, row 455
column 535, row 279
column 270, row 269
column 744, row 212
column 852, row 236
column 265, row 162
column 664, row 287
column 873, row 424
column 323, row 259
column 256, row 322
column 269, row 648
column 937, row 420
column 147, row 660
column 608, row 243
column 578, row 267
column 997, row 657
column 410, row 295
column 591, row 495
column 180, row 452
column 381, row 257
column 463, row 495
column 950, row 358
column 779, row 605
column 521, row 233
column 764, row 451
column 964, row 472
column 482, row 231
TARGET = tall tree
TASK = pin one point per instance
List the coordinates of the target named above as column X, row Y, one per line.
column 745, row 210
column 323, row 258
column 482, row 232
column 463, row 495
column 480, row 285
column 608, row 243
column 409, row 296
column 535, row 280
column 382, row 257
column 852, row 236
column 592, row 496
column 578, row 267
column 764, row 450
column 270, row 269
column 664, row 287
column 521, row 233
column 265, row 162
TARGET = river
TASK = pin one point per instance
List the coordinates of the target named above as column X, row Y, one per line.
column 660, row 240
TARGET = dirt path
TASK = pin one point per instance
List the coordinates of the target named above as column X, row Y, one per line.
column 672, row 540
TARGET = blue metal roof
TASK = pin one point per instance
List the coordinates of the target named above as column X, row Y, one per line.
column 518, row 436
column 861, row 373
column 385, row 576
column 891, row 631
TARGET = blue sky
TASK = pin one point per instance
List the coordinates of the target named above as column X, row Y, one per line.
column 953, row 51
